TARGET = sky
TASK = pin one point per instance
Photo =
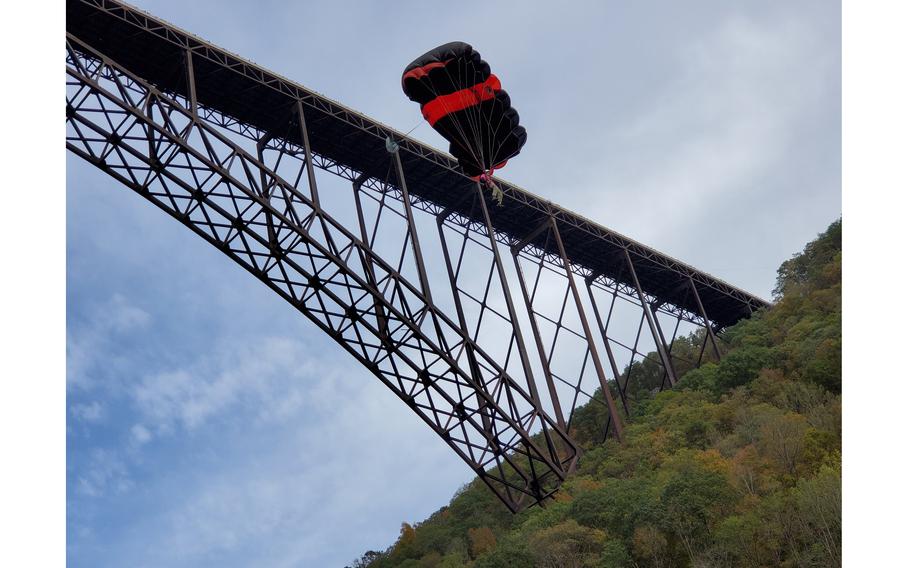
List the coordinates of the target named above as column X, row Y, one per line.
column 208, row 423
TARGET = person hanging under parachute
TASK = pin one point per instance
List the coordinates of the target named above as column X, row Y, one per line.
column 465, row 103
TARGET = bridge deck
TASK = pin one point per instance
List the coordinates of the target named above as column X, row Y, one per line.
column 257, row 97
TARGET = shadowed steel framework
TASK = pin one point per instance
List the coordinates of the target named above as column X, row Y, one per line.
column 493, row 324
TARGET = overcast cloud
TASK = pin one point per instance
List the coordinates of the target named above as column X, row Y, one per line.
column 211, row 424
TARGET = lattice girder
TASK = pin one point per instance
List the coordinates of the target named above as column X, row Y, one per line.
column 494, row 356
column 156, row 146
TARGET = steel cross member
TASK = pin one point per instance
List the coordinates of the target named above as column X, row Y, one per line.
column 606, row 343
column 659, row 341
column 701, row 311
column 139, row 135
column 188, row 150
column 550, row 228
column 602, row 379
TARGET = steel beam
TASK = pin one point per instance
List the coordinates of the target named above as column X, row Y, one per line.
column 310, row 172
column 333, row 274
column 658, row 339
column 306, row 268
column 606, row 343
column 412, row 228
column 191, row 83
column 535, row 328
column 112, row 23
column 602, row 379
column 382, row 324
column 701, row 312
column 667, row 347
column 513, row 314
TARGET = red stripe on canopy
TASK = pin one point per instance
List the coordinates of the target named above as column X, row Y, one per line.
column 419, row 72
column 460, row 100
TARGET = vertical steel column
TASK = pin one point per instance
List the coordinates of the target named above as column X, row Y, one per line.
column 412, row 228
column 603, row 333
column 611, row 405
column 264, row 192
column 155, row 163
column 671, row 370
column 541, row 350
column 191, row 84
column 459, row 310
column 658, row 341
column 513, row 318
column 310, row 172
column 507, row 294
column 382, row 325
column 704, row 316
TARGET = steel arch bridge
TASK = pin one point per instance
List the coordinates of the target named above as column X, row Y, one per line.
column 493, row 324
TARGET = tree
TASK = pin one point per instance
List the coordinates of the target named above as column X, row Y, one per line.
column 511, row 553
column 482, row 541
column 784, row 438
column 567, row 545
column 738, row 465
column 615, row 555
column 819, row 505
column 368, row 558
column 650, row 545
column 741, row 366
column 748, row 470
column 693, row 498
column 617, row 507
column 406, row 547
column 808, row 268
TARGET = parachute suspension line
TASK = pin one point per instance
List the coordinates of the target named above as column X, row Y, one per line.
column 477, row 118
column 488, row 150
column 392, row 146
column 491, row 136
column 461, row 99
column 485, row 147
column 475, row 149
column 473, row 111
column 466, row 145
column 487, row 161
column 416, row 126
column 487, row 144
column 461, row 131
column 464, row 136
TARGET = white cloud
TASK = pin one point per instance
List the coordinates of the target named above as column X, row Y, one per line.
column 104, row 474
column 140, row 434
column 297, row 488
column 120, row 315
column 92, row 412
column 719, row 127
column 89, row 342
column 272, row 378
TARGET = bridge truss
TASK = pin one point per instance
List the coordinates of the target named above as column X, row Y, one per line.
column 493, row 324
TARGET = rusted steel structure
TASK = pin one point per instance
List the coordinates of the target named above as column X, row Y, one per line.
column 409, row 270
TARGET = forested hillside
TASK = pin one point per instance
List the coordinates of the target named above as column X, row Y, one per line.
column 738, row 465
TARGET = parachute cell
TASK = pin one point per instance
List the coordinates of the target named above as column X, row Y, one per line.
column 465, row 103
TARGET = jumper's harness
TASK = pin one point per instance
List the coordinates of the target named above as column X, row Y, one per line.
column 487, row 179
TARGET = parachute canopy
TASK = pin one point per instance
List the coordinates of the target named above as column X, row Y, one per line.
column 464, row 101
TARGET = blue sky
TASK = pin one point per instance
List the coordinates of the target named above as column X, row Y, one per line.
column 210, row 424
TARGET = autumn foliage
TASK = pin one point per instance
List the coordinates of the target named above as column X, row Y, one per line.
column 738, row 466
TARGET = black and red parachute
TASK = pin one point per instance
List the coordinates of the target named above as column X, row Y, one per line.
column 464, row 101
